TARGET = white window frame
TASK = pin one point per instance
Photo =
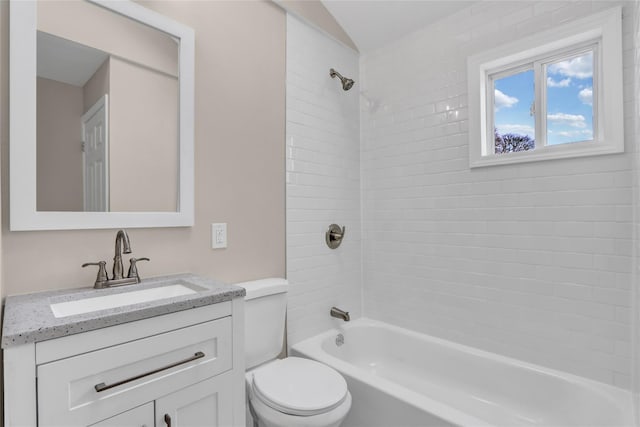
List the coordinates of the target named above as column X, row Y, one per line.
column 603, row 33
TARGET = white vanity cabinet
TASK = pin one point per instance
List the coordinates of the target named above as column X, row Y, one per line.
column 142, row 416
column 180, row 369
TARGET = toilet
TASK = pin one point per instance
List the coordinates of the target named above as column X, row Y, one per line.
column 289, row 392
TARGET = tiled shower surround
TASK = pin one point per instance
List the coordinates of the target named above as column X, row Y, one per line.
column 323, row 181
column 532, row 261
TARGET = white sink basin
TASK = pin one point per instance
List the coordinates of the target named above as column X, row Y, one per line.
column 88, row 305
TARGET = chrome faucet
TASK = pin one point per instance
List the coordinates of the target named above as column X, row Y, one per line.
column 122, row 246
column 340, row 314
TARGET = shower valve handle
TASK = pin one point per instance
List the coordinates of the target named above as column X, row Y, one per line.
column 334, row 236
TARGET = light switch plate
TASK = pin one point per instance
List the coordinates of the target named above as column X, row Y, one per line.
column 219, row 235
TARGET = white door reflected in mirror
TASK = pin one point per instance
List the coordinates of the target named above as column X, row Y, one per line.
column 95, row 149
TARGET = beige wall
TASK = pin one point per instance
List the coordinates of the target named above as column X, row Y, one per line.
column 143, row 140
column 59, row 129
column 96, row 87
column 239, row 164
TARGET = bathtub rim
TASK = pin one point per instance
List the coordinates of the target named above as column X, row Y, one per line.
column 312, row 348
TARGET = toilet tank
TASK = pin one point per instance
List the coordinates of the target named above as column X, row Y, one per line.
column 264, row 318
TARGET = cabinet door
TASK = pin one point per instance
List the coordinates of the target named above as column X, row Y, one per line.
column 142, row 416
column 208, row 403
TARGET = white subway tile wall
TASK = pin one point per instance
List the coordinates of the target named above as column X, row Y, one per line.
column 323, row 181
column 533, row 261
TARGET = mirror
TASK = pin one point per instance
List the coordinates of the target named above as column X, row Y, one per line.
column 101, row 113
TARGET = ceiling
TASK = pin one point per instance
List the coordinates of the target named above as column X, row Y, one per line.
column 67, row 61
column 374, row 23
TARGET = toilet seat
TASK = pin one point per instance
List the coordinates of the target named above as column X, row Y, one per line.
column 297, row 386
column 269, row 417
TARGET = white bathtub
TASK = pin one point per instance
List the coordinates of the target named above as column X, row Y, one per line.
column 401, row 378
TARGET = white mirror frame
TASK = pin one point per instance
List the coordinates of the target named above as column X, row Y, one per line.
column 22, row 133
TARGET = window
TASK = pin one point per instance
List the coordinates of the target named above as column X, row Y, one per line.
column 555, row 94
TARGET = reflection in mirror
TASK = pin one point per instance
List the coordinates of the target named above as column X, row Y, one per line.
column 107, row 137
column 142, row 77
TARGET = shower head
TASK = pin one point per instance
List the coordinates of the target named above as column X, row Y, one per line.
column 346, row 83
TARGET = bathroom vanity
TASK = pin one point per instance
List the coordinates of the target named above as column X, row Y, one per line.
column 166, row 352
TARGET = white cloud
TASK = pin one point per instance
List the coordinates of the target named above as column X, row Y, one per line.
column 504, row 101
column 586, row 96
column 580, row 67
column 573, row 120
column 558, row 83
column 584, row 134
column 516, row 128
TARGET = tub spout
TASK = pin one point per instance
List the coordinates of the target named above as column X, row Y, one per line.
column 340, row 314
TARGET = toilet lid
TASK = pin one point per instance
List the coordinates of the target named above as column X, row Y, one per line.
column 299, row 386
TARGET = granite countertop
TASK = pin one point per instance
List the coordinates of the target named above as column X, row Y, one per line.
column 29, row 318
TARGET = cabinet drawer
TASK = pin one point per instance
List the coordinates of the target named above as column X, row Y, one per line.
column 87, row 388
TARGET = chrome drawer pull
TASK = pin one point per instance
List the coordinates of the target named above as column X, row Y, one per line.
column 102, row 386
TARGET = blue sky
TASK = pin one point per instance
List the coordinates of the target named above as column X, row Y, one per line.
column 569, row 101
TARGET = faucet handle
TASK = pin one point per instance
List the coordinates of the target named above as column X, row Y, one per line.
column 133, row 269
column 101, row 278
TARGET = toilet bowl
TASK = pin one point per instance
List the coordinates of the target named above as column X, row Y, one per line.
column 289, row 392
column 296, row 392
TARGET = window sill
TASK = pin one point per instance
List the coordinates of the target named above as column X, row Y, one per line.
column 566, row 151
